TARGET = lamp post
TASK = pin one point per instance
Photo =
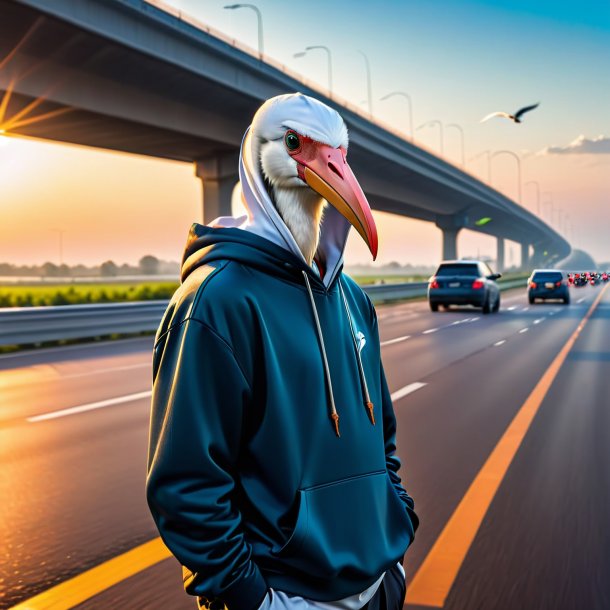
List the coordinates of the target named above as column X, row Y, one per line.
column 487, row 153
column 459, row 128
column 551, row 205
column 537, row 185
column 259, row 18
column 369, row 88
column 518, row 160
column 329, row 57
column 440, row 127
column 410, row 102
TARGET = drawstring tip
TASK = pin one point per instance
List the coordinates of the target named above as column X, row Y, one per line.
column 335, row 418
column 369, row 406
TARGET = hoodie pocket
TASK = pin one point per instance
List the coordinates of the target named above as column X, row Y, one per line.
column 356, row 525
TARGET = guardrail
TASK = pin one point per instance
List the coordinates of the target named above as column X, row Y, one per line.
column 25, row 325
column 31, row 325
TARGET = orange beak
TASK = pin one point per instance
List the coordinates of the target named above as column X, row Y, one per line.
column 326, row 171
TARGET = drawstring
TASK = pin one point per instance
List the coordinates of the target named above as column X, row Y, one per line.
column 367, row 400
column 357, row 344
column 334, row 415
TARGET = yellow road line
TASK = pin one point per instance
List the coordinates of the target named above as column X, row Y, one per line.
column 75, row 591
column 435, row 577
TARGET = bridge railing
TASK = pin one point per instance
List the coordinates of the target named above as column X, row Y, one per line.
column 192, row 21
column 32, row 325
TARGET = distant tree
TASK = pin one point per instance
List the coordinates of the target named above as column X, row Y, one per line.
column 49, row 269
column 108, row 269
column 64, row 271
column 7, row 269
column 149, row 265
column 80, row 270
column 393, row 265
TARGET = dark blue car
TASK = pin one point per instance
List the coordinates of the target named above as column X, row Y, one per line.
column 464, row 282
column 548, row 284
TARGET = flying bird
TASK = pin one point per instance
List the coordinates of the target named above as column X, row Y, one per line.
column 516, row 118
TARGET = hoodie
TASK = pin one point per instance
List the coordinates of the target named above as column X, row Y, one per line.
column 271, row 460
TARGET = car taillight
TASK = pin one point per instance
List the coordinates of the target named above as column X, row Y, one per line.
column 478, row 284
column 434, row 283
column 532, row 284
column 559, row 283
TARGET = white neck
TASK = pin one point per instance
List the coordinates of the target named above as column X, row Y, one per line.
column 301, row 209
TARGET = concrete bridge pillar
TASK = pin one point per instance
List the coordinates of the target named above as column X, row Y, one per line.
column 219, row 175
column 500, row 255
column 450, row 243
column 450, row 226
column 525, row 257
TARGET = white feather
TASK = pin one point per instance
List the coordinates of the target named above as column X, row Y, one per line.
column 504, row 115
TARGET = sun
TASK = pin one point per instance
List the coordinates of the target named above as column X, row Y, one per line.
column 3, row 138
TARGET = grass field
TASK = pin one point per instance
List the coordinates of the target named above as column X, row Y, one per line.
column 23, row 295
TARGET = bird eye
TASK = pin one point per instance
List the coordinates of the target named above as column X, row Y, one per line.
column 292, row 140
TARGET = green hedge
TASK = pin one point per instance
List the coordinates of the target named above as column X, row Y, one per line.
column 73, row 294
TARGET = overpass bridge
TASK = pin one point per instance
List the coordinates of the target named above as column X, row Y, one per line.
column 139, row 77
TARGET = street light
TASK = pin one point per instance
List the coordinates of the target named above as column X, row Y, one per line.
column 259, row 18
column 551, row 205
column 440, row 127
column 537, row 185
column 408, row 98
column 518, row 160
column 487, row 153
column 459, row 128
column 368, row 82
column 330, row 65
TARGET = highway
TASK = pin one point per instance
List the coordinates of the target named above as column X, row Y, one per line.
column 523, row 515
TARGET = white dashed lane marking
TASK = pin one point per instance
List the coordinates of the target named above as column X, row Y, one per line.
column 524, row 330
column 90, row 406
column 499, row 343
column 408, row 389
column 396, row 340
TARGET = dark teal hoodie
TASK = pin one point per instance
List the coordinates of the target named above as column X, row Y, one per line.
column 248, row 482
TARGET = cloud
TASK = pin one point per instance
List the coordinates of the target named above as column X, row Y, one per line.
column 581, row 146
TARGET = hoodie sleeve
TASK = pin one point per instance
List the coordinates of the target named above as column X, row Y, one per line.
column 199, row 400
column 393, row 462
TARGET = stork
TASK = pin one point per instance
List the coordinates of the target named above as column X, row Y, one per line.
column 300, row 148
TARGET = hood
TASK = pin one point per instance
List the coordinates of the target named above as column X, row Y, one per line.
column 206, row 244
column 262, row 217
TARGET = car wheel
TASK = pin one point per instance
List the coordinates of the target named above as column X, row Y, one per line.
column 486, row 305
column 496, row 307
column 532, row 300
column 433, row 306
column 566, row 301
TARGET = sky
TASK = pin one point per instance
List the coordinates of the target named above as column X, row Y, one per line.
column 458, row 60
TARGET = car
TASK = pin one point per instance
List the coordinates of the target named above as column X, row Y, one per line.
column 464, row 282
column 547, row 284
column 605, row 276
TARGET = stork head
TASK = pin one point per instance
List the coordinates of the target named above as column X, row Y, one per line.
column 301, row 145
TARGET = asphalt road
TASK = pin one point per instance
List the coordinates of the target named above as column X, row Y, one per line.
column 71, row 487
